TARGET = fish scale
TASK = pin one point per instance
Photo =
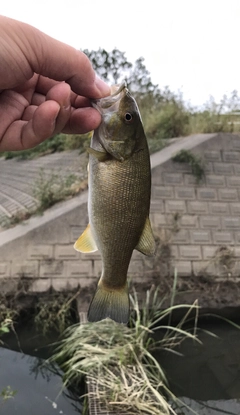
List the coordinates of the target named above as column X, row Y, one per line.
column 119, row 204
column 119, row 201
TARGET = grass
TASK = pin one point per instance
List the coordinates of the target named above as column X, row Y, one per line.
column 48, row 189
column 221, row 264
column 6, row 394
column 117, row 360
column 8, row 312
column 10, row 302
column 195, row 162
column 18, row 217
column 51, row 312
column 54, row 313
column 166, row 120
column 59, row 142
column 5, row 326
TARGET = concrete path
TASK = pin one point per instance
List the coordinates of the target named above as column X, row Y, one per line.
column 18, row 178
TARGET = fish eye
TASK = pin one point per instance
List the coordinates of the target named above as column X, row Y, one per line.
column 128, row 117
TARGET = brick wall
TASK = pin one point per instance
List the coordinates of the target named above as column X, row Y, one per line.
column 208, row 221
column 199, row 223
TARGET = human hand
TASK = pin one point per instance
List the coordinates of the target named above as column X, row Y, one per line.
column 45, row 86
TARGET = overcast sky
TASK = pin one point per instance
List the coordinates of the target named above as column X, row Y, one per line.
column 189, row 45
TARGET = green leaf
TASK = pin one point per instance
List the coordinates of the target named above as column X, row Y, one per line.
column 4, row 329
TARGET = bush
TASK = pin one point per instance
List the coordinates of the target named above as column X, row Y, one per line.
column 50, row 189
column 164, row 115
column 59, row 142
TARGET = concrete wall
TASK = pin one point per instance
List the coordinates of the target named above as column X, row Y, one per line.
column 198, row 225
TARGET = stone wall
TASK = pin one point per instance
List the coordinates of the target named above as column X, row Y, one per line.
column 198, row 225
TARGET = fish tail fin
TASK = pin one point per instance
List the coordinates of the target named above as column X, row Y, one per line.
column 109, row 303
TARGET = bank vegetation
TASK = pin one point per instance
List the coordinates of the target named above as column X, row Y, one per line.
column 165, row 114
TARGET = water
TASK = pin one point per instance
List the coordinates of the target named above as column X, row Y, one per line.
column 206, row 377
column 39, row 388
column 38, row 391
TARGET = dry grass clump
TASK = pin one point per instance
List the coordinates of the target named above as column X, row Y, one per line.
column 117, row 361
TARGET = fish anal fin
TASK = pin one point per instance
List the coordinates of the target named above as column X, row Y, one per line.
column 146, row 243
column 100, row 155
column 86, row 242
column 109, row 303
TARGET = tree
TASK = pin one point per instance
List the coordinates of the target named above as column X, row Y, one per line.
column 114, row 67
column 139, row 80
column 110, row 66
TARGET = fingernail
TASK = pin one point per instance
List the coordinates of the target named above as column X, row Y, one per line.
column 55, row 119
column 66, row 107
column 102, row 87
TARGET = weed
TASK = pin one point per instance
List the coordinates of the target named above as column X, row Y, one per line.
column 7, row 393
column 157, row 144
column 77, row 142
column 176, row 217
column 10, row 306
column 117, row 361
column 7, row 313
column 164, row 119
column 54, row 313
column 59, row 142
column 5, row 326
column 224, row 262
column 50, row 189
column 14, row 219
column 195, row 162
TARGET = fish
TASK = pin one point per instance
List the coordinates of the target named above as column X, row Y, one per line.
column 118, row 201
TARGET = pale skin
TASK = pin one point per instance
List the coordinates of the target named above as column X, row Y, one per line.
column 45, row 86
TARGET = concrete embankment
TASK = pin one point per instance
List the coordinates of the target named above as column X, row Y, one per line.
column 198, row 225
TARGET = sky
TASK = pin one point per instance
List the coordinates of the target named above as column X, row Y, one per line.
column 191, row 46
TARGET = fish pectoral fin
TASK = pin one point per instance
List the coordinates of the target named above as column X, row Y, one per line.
column 100, row 155
column 86, row 242
column 146, row 243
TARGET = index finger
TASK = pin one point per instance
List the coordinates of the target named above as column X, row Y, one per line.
column 64, row 63
column 54, row 59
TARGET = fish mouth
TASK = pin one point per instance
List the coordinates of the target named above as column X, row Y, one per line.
column 116, row 89
column 111, row 102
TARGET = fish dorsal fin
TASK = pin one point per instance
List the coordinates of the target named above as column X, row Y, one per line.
column 86, row 242
column 146, row 243
column 100, row 155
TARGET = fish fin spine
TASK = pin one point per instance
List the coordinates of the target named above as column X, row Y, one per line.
column 109, row 303
column 146, row 244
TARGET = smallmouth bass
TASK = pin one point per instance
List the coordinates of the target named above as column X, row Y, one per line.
column 118, row 201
